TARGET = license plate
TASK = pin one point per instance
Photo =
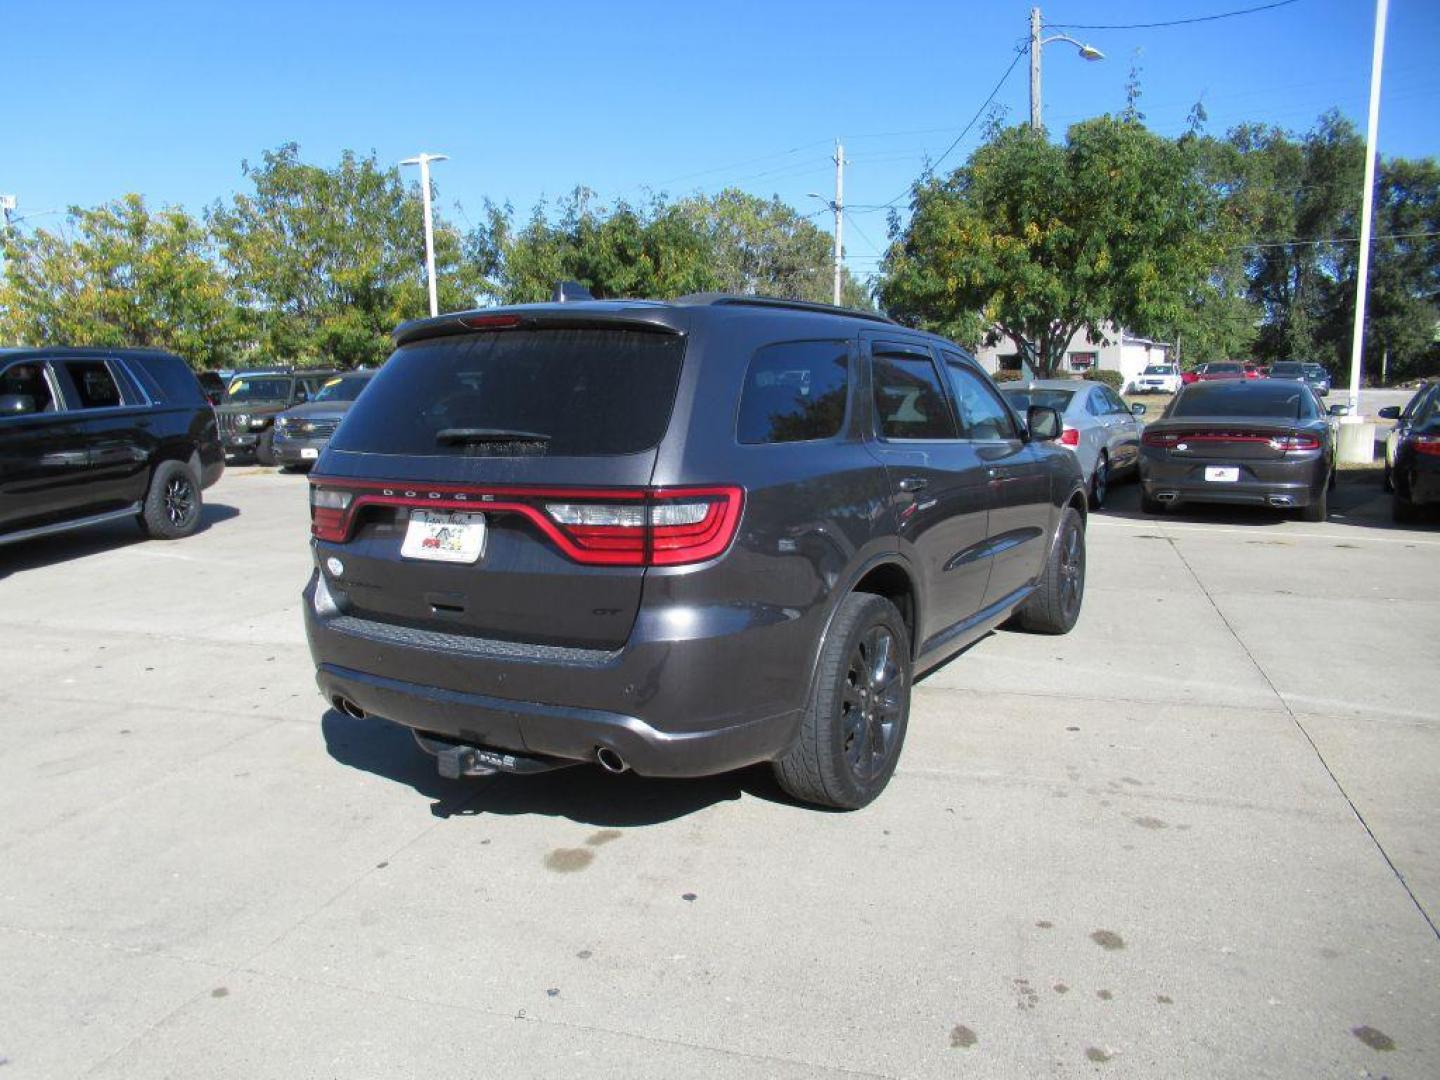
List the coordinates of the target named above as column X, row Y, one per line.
column 458, row 538
column 308, row 453
column 1223, row 474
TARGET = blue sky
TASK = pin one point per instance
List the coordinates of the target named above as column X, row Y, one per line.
column 530, row 99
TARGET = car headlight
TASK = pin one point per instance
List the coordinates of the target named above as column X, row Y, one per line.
column 256, row 423
column 242, row 420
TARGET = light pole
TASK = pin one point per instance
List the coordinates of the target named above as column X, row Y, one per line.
column 837, row 205
column 1367, row 205
column 424, row 160
column 1088, row 52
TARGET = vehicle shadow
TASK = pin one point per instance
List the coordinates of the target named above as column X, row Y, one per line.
column 63, row 547
column 585, row 793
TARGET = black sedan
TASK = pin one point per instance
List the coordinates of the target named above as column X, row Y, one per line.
column 1416, row 471
column 1255, row 443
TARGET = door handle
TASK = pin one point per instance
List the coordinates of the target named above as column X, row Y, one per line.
column 914, row 483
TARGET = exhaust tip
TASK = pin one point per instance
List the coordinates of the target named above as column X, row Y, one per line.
column 1281, row 500
column 1165, row 496
column 349, row 708
column 610, row 761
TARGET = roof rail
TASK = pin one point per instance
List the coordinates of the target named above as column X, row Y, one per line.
column 729, row 299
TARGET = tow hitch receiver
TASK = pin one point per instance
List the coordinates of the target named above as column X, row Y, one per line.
column 456, row 759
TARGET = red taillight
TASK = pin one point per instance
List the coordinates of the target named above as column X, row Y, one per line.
column 600, row 526
column 491, row 322
column 1162, row 440
column 1069, row 437
column 1295, row 442
column 1426, row 444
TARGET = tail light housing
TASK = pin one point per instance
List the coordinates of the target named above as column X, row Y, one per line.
column 1295, row 442
column 1426, row 444
column 594, row 526
column 1069, row 437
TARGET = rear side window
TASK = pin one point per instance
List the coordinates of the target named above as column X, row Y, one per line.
column 909, row 402
column 510, row 393
column 795, row 392
column 95, row 387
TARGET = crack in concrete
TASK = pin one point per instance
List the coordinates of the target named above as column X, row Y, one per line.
column 1300, row 726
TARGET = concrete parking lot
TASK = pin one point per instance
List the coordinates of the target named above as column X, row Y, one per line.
column 1200, row 836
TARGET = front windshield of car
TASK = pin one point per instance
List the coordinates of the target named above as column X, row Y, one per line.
column 344, row 388
column 1314, row 369
column 245, row 388
column 1217, row 368
column 1021, row 398
column 1288, row 368
column 1255, row 399
column 1160, row 369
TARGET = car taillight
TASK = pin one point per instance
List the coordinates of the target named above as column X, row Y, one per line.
column 1426, row 444
column 1162, row 440
column 1295, row 442
column 600, row 527
column 328, row 518
column 1070, row 437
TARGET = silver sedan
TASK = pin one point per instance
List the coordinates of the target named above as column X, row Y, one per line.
column 1103, row 431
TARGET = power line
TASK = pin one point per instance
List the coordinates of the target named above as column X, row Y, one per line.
column 1019, row 52
column 1170, row 22
column 1297, row 242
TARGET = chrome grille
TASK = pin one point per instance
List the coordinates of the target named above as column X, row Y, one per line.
column 300, row 428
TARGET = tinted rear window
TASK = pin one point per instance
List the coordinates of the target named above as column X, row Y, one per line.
column 795, row 391
column 1021, row 400
column 1276, row 400
column 592, row 392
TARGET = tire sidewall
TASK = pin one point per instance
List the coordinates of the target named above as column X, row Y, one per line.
column 829, row 697
column 155, row 517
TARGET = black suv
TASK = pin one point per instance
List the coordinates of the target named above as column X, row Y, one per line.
column 678, row 538
column 252, row 401
column 92, row 435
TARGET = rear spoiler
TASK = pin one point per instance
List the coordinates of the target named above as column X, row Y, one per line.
column 572, row 315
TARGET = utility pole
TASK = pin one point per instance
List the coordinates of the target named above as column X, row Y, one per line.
column 1367, row 206
column 1035, row 121
column 424, row 160
column 839, row 207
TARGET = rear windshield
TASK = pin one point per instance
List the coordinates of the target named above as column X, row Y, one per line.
column 1257, row 399
column 1215, row 369
column 1021, row 400
column 572, row 393
column 1159, row 369
column 1287, row 368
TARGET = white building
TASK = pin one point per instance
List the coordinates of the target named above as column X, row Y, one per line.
column 1116, row 351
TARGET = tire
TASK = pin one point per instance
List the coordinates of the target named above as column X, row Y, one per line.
column 1387, row 484
column 854, row 727
column 1319, row 508
column 1402, row 510
column 265, row 449
column 173, row 504
column 1054, row 606
column 1100, row 481
column 1149, row 505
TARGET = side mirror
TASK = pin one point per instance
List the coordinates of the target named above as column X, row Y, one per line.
column 16, row 404
column 1389, row 412
column 1344, row 410
column 1137, row 409
column 1044, row 423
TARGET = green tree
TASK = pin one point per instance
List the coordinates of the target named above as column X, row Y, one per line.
column 325, row 262
column 1040, row 240
column 119, row 275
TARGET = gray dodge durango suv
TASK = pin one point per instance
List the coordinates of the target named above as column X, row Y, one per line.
column 678, row 538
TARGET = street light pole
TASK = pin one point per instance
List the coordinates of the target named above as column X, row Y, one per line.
column 1037, row 46
column 1367, row 206
column 839, row 207
column 424, row 160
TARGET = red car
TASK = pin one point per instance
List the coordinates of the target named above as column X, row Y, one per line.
column 1254, row 371
column 1219, row 370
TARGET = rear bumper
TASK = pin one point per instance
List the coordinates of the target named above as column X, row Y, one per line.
column 1282, row 484
column 724, row 694
column 1420, row 478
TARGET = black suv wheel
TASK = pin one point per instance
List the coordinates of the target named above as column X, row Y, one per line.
column 173, row 503
column 1055, row 604
column 851, row 736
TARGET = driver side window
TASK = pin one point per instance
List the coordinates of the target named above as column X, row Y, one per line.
column 982, row 414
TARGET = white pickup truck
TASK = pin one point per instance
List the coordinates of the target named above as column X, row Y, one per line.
column 1157, row 378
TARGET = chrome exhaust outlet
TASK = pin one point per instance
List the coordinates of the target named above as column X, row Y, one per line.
column 349, row 708
column 610, row 761
column 1280, row 500
column 1165, row 496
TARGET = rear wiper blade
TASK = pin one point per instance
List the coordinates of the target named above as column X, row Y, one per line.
column 461, row 436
